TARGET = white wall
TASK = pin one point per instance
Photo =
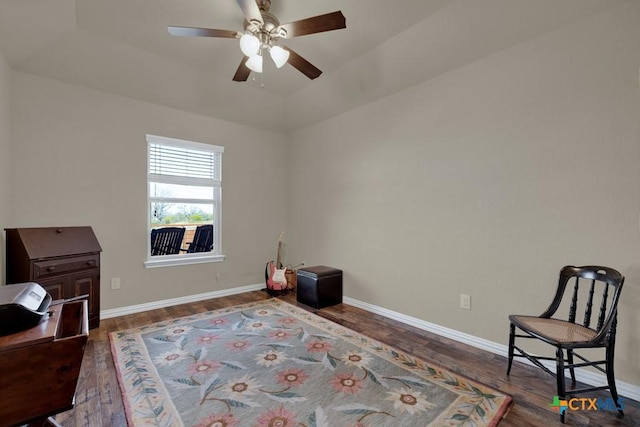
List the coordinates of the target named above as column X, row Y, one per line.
column 485, row 181
column 79, row 158
column 5, row 155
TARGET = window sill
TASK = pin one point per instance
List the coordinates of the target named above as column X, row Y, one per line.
column 171, row 260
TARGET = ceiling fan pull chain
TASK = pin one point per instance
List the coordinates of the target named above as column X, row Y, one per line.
column 262, row 74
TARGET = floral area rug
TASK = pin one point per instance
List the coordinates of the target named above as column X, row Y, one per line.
column 272, row 364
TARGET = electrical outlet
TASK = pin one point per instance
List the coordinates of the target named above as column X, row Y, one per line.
column 465, row 301
column 115, row 283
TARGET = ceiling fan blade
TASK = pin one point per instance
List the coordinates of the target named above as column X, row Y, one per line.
column 203, row 32
column 242, row 73
column 302, row 65
column 316, row 24
column 250, row 10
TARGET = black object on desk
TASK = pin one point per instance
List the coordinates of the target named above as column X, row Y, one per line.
column 22, row 306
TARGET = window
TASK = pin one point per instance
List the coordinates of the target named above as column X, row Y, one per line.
column 184, row 202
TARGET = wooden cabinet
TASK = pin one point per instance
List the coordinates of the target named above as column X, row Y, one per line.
column 63, row 260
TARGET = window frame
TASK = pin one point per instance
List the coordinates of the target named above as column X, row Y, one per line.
column 187, row 258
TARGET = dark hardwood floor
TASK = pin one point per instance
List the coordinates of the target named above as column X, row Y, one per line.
column 98, row 400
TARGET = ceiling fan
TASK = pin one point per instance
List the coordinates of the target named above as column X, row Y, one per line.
column 263, row 32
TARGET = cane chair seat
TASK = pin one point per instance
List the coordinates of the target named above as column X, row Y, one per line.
column 554, row 330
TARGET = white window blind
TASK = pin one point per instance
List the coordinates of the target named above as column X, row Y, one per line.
column 184, row 161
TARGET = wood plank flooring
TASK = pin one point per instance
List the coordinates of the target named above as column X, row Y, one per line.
column 99, row 403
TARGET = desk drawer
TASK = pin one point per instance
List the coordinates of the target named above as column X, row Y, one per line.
column 65, row 265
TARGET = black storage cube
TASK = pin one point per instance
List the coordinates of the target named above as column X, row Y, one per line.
column 319, row 286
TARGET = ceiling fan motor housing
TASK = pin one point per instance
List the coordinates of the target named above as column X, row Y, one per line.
column 268, row 31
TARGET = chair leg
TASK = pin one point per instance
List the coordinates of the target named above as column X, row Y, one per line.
column 611, row 378
column 571, row 370
column 560, row 377
column 512, row 339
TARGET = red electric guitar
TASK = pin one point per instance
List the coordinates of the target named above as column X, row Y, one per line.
column 274, row 273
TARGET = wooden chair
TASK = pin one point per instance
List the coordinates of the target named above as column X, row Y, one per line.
column 559, row 326
column 166, row 240
column 202, row 239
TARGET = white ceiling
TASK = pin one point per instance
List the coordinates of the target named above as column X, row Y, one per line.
column 123, row 47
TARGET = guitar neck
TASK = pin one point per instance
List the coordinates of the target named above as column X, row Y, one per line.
column 278, row 259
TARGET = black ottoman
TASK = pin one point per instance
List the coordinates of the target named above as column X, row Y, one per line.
column 319, row 286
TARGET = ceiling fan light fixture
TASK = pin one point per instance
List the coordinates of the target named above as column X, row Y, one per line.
column 279, row 55
column 249, row 44
column 254, row 63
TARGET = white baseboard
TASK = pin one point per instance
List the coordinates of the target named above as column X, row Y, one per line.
column 139, row 308
column 625, row 389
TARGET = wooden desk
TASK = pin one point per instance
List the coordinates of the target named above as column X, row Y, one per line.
column 39, row 367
